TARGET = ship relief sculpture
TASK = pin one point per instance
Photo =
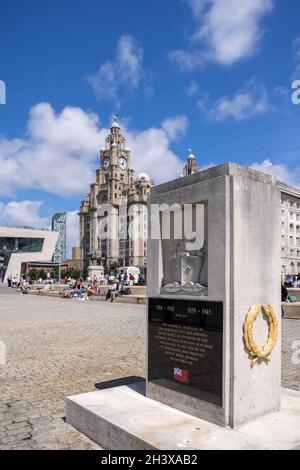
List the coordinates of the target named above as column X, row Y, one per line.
column 184, row 260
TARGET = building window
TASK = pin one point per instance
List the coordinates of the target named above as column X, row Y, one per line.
column 293, row 268
column 21, row 245
column 9, row 245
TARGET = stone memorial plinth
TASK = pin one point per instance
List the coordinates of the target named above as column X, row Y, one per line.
column 97, row 271
column 214, row 325
column 198, row 361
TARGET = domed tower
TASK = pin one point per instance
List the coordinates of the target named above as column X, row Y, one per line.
column 138, row 220
column 191, row 166
column 141, row 189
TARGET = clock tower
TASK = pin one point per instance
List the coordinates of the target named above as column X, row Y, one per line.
column 103, row 210
column 115, row 176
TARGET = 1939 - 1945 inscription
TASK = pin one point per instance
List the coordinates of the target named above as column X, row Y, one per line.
column 185, row 347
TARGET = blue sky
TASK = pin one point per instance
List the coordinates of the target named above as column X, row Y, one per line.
column 213, row 75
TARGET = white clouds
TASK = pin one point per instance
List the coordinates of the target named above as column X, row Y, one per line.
column 129, row 61
column 246, row 103
column 280, row 171
column 56, row 155
column 104, row 82
column 226, row 31
column 59, row 152
column 151, row 153
column 23, row 213
column 125, row 72
column 27, row 214
column 192, row 88
column 175, row 127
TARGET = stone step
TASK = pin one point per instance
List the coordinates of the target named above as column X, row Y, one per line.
column 126, row 299
column 295, row 293
column 291, row 310
column 122, row 418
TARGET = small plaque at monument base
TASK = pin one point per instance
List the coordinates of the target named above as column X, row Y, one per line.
column 185, row 347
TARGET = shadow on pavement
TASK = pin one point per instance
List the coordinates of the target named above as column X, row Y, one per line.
column 138, row 384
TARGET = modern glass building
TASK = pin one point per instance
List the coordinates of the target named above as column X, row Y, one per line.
column 59, row 222
column 19, row 245
column 10, row 245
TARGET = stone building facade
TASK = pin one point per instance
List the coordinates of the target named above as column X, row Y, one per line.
column 113, row 217
column 290, row 229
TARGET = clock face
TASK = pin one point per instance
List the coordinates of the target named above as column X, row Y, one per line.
column 122, row 163
column 106, row 163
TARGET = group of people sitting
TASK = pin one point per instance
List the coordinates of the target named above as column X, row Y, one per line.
column 21, row 284
column 24, row 286
column 76, row 290
column 290, row 280
column 13, row 281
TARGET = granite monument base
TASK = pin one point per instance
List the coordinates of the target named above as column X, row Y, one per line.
column 198, row 358
column 97, row 271
column 122, row 418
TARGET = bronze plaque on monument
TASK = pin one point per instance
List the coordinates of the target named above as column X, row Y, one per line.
column 185, row 347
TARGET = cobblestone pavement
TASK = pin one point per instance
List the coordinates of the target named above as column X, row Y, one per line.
column 57, row 348
column 291, row 354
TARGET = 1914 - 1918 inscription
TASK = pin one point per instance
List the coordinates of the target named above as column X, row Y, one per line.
column 185, row 347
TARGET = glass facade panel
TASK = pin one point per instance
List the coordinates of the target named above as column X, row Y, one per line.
column 9, row 245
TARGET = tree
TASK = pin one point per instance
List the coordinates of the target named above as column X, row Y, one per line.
column 42, row 274
column 114, row 266
column 73, row 273
column 33, row 273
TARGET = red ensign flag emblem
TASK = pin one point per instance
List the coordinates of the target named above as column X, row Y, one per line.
column 181, row 375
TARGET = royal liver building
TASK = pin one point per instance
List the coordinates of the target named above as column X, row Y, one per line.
column 113, row 217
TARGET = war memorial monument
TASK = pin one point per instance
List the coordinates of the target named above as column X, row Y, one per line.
column 214, row 325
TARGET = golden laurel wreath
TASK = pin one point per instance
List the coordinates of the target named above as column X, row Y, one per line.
column 248, row 333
